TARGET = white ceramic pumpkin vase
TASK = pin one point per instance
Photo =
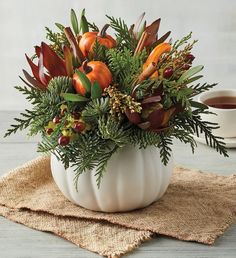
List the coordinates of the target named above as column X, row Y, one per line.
column 134, row 179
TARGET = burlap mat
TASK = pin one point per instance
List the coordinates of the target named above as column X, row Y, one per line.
column 196, row 207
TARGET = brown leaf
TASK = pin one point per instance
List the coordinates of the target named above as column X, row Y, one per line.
column 68, row 60
column 74, row 44
column 53, row 63
column 32, row 81
column 152, row 31
column 133, row 117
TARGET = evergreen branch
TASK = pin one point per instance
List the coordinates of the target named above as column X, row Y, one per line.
column 184, row 137
column 165, row 149
column 125, row 67
column 99, row 52
column 199, row 88
column 144, row 138
column 32, row 94
column 206, row 128
column 102, row 164
column 123, row 35
column 93, row 26
column 22, row 123
column 112, row 130
column 95, row 109
column 58, row 40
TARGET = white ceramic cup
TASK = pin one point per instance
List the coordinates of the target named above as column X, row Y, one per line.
column 225, row 118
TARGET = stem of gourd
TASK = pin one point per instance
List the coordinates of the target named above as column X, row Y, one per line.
column 86, row 68
column 102, row 33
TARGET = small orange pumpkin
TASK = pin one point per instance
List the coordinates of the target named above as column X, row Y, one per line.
column 88, row 39
column 95, row 71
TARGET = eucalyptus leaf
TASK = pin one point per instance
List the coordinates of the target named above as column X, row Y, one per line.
column 84, row 24
column 60, row 26
column 82, row 14
column 189, row 73
column 193, row 79
column 74, row 97
column 84, row 80
column 74, row 22
column 96, row 90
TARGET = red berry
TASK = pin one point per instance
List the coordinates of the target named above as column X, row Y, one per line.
column 76, row 115
column 186, row 66
column 56, row 120
column 79, row 127
column 49, row 131
column 189, row 58
column 64, row 140
column 168, row 72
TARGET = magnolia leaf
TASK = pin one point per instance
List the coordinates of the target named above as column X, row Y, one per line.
column 84, row 24
column 96, row 91
column 197, row 104
column 73, row 97
column 74, row 22
column 84, row 80
column 60, row 26
column 188, row 74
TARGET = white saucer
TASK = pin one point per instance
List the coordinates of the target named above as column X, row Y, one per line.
column 229, row 142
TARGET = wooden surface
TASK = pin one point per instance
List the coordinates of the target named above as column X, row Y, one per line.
column 18, row 241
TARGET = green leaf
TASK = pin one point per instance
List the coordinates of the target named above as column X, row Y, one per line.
column 197, row 104
column 188, row 74
column 60, row 26
column 84, row 24
column 84, row 80
column 73, row 97
column 193, row 79
column 96, row 91
column 74, row 22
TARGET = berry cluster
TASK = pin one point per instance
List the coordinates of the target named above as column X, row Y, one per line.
column 70, row 124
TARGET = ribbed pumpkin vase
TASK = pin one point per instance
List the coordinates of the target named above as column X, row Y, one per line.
column 134, row 179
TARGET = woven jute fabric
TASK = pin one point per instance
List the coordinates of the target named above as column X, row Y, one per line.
column 197, row 206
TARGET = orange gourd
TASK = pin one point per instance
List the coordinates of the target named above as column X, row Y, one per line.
column 155, row 55
column 95, row 71
column 88, row 39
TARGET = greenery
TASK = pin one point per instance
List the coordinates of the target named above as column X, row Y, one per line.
column 87, row 104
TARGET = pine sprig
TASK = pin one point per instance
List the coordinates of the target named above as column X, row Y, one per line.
column 199, row 88
column 164, row 147
column 99, row 52
column 206, row 128
column 22, row 123
column 123, row 36
column 125, row 66
column 184, row 137
column 57, row 40
column 143, row 138
column 95, row 109
column 112, row 130
column 101, row 167
column 93, row 26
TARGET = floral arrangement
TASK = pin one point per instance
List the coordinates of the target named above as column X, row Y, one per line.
column 93, row 93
